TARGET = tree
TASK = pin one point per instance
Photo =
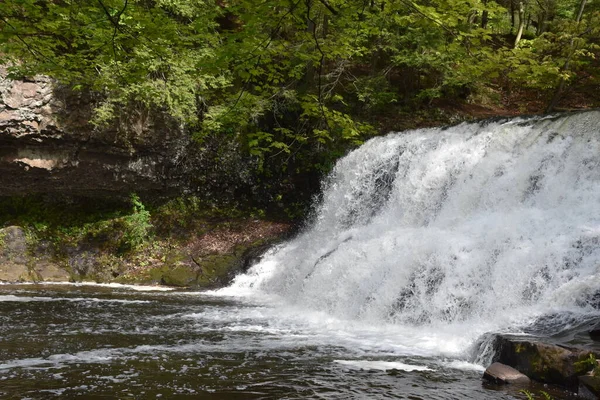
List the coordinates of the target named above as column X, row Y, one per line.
column 572, row 49
column 295, row 82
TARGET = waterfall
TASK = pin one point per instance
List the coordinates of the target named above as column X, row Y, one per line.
column 482, row 224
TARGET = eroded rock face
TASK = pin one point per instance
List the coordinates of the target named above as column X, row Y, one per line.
column 26, row 107
column 13, row 263
column 48, row 146
column 19, row 262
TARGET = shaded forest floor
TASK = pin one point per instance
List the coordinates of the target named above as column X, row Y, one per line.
column 494, row 104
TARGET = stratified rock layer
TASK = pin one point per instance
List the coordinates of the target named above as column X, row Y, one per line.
column 49, row 147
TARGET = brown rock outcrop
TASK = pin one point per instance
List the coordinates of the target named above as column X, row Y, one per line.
column 49, row 147
column 500, row 373
column 544, row 362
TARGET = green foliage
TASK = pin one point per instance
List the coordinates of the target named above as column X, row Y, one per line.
column 587, row 364
column 136, row 226
column 129, row 51
column 295, row 83
column 112, row 226
column 187, row 213
column 530, row 396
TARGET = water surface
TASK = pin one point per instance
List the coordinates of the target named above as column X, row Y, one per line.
column 108, row 342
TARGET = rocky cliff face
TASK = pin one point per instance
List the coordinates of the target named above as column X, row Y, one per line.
column 47, row 146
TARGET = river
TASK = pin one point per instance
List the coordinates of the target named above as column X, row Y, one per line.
column 106, row 342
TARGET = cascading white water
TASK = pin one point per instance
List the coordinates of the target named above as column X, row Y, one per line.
column 482, row 224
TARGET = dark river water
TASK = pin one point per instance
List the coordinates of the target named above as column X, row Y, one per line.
column 102, row 342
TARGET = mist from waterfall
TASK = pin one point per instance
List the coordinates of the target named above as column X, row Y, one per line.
column 464, row 230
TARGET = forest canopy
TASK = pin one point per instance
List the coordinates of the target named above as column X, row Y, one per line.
column 299, row 78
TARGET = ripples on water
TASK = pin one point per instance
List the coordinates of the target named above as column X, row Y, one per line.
column 109, row 342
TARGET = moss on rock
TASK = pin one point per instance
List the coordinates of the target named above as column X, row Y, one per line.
column 544, row 362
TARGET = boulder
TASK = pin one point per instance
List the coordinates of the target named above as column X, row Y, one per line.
column 500, row 373
column 22, row 261
column 545, row 362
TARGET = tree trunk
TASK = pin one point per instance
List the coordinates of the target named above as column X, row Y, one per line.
column 512, row 15
column 484, row 19
column 541, row 23
column 471, row 19
column 562, row 82
column 521, row 23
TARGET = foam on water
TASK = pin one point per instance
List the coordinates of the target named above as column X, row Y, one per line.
column 13, row 298
column 441, row 235
column 138, row 288
column 381, row 365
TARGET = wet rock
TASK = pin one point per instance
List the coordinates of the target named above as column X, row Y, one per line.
column 595, row 332
column 82, row 262
column 500, row 373
column 253, row 254
column 544, row 362
column 589, row 387
column 180, row 276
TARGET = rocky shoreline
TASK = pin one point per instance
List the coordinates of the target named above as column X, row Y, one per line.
column 199, row 260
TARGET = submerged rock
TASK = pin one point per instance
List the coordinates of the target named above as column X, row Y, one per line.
column 545, row 362
column 500, row 373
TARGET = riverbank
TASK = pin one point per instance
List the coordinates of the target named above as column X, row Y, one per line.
column 181, row 243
